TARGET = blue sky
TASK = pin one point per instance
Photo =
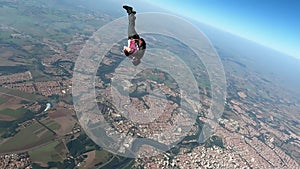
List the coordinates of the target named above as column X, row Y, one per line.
column 273, row 23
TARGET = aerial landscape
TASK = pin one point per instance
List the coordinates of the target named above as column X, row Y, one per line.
column 126, row 116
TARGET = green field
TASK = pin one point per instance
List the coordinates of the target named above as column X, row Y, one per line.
column 2, row 100
column 26, row 138
column 24, row 95
column 51, row 124
column 13, row 113
column 103, row 156
column 119, row 162
column 46, row 153
column 2, row 131
column 90, row 148
column 40, row 130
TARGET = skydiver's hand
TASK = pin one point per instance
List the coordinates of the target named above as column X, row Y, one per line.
column 127, row 48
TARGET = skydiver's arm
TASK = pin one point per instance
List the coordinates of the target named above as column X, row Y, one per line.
column 127, row 48
column 128, row 42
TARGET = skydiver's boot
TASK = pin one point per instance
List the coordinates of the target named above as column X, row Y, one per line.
column 129, row 9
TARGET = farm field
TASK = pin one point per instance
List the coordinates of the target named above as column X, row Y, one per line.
column 54, row 151
column 27, row 138
column 12, row 114
column 20, row 95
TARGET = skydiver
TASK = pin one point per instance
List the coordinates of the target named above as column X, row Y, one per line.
column 136, row 45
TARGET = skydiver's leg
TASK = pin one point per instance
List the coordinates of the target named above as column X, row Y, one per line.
column 131, row 25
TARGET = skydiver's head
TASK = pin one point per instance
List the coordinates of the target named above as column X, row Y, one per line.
column 142, row 43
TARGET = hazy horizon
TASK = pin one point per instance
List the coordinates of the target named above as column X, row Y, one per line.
column 272, row 24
